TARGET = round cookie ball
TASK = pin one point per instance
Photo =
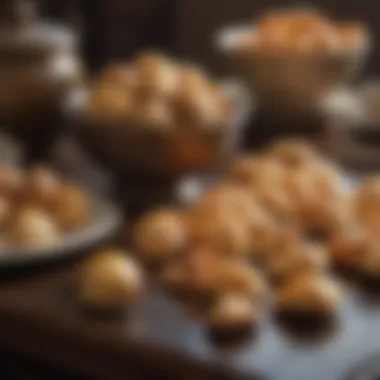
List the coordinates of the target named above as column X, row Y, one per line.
column 42, row 187
column 348, row 247
column 233, row 311
column 73, row 208
column 110, row 280
column 32, row 228
column 302, row 258
column 310, row 294
column 222, row 231
column 233, row 198
column 293, row 153
column 240, row 278
column 160, row 235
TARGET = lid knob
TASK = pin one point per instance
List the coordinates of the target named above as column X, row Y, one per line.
column 19, row 12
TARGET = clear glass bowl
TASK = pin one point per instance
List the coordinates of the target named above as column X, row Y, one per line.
column 130, row 151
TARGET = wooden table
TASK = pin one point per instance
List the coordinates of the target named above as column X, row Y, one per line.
column 156, row 338
column 39, row 317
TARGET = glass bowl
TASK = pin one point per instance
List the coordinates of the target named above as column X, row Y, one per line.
column 134, row 152
column 290, row 82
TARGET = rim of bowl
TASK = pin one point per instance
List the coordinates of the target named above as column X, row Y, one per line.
column 226, row 37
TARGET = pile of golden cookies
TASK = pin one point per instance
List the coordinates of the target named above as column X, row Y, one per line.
column 37, row 207
column 270, row 229
column 303, row 30
column 157, row 93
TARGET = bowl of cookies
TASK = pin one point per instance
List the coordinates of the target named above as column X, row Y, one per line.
column 293, row 57
column 158, row 118
column 44, row 216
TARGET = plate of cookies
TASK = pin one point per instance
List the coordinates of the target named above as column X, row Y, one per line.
column 271, row 231
column 45, row 217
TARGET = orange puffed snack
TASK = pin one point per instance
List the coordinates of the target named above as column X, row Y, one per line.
column 302, row 30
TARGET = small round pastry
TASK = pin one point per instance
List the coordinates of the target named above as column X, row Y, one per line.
column 157, row 74
column 109, row 280
column 201, row 109
column 257, row 172
column 109, row 102
column 222, row 231
column 192, row 79
column 301, row 258
column 320, row 199
column 298, row 184
column 264, row 236
column 233, row 198
column 286, row 236
column 274, row 32
column 233, row 311
column 201, row 102
column 244, row 168
column 287, row 29
column 325, row 40
column 309, row 294
column 325, row 218
column 348, row 247
column 293, row 153
column 200, row 272
column 11, row 181
column 230, row 201
column 192, row 75
column 119, row 74
column 160, row 235
column 73, row 209
column 275, row 200
column 238, row 277
column 32, row 228
column 41, row 187
column 327, row 180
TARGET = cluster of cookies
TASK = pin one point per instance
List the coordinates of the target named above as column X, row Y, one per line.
column 271, row 229
column 154, row 92
column 37, row 207
column 303, row 30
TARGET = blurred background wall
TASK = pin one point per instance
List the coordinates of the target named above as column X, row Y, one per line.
column 114, row 29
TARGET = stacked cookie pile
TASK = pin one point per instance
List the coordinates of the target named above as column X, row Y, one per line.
column 37, row 207
column 303, row 30
column 269, row 230
column 157, row 93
